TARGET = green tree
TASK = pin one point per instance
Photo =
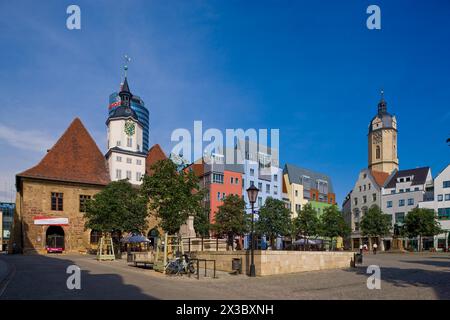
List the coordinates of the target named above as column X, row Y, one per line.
column 173, row 194
column 307, row 222
column 274, row 220
column 202, row 224
column 231, row 218
column 421, row 222
column 333, row 224
column 117, row 208
column 375, row 223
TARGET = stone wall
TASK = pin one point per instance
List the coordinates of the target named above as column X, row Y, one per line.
column 34, row 200
column 270, row 262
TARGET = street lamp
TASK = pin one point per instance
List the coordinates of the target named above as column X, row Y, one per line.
column 252, row 193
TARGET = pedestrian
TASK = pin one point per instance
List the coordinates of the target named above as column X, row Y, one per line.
column 365, row 247
column 375, row 246
column 361, row 249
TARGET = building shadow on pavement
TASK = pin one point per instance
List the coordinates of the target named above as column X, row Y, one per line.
column 45, row 277
column 401, row 277
column 436, row 263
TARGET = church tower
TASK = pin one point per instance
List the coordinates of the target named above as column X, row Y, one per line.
column 382, row 140
column 125, row 156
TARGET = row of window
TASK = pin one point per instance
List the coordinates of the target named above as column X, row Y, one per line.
column 252, row 174
column 128, row 175
column 129, row 143
column 260, row 187
column 401, row 203
column 57, row 201
column 405, row 190
column 365, row 187
column 440, row 197
column 364, row 199
column 129, row 160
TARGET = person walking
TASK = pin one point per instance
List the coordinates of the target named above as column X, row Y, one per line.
column 375, row 247
column 361, row 249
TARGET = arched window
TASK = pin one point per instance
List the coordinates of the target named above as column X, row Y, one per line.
column 378, row 152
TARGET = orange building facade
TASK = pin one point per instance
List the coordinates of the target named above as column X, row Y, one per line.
column 220, row 180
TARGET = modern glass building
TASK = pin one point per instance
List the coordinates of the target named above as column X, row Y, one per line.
column 137, row 104
column 8, row 215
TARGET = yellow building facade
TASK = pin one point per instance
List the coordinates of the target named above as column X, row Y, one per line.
column 294, row 192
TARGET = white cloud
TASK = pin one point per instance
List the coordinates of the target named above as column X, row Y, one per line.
column 31, row 140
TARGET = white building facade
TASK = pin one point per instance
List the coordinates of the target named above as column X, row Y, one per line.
column 366, row 193
column 403, row 191
column 439, row 201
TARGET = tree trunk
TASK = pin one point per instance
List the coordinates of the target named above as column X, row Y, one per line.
column 420, row 243
column 370, row 243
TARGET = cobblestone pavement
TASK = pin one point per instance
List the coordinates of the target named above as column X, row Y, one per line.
column 404, row 276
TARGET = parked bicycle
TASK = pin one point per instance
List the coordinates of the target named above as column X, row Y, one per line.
column 180, row 265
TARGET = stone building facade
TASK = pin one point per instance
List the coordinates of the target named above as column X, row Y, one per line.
column 34, row 203
column 51, row 196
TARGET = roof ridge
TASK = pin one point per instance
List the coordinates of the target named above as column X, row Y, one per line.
column 74, row 157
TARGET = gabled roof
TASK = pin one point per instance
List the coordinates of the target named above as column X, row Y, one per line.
column 419, row 176
column 154, row 155
column 379, row 177
column 295, row 176
column 75, row 157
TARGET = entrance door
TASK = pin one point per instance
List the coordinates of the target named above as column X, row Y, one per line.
column 55, row 239
column 153, row 237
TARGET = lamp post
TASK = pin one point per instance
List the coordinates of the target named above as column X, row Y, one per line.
column 252, row 193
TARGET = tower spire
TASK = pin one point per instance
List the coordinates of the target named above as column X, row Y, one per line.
column 382, row 105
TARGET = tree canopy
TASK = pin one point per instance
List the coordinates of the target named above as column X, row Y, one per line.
column 420, row 222
column 333, row 223
column 118, row 207
column 307, row 222
column 231, row 218
column 202, row 224
column 173, row 194
column 274, row 219
column 374, row 223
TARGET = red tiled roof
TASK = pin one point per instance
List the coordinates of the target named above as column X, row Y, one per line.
column 154, row 155
column 380, row 177
column 75, row 157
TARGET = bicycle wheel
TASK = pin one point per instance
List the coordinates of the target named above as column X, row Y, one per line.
column 191, row 268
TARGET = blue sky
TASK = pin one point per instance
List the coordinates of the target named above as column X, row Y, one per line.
column 310, row 68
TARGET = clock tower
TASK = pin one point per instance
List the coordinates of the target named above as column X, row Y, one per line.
column 125, row 156
column 382, row 140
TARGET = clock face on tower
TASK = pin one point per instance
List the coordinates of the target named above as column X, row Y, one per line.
column 130, row 128
column 376, row 137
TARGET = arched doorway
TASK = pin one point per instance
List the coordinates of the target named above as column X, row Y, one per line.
column 55, row 239
column 153, row 237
